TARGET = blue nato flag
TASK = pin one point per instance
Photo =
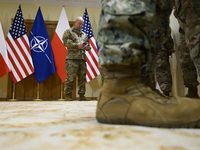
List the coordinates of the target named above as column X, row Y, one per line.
column 41, row 49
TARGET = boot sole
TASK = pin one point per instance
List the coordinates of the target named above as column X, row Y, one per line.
column 122, row 121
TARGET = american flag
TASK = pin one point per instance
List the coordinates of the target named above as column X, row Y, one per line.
column 19, row 54
column 92, row 55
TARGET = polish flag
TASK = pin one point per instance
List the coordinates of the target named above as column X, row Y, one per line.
column 58, row 48
column 4, row 61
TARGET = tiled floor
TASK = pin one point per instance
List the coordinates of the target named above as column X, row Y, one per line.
column 61, row 125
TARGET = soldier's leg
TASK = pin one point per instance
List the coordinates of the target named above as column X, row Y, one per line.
column 71, row 69
column 192, row 31
column 190, row 15
column 124, row 97
column 163, row 72
column 188, row 69
column 81, row 80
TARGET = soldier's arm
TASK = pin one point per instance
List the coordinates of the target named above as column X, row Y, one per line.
column 68, row 42
column 87, row 47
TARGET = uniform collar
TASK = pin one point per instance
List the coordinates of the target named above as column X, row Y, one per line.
column 76, row 31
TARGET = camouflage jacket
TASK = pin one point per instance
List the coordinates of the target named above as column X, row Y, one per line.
column 71, row 38
column 186, row 12
column 169, row 43
column 177, row 13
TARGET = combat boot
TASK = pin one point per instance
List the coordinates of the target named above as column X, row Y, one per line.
column 68, row 97
column 125, row 99
column 192, row 92
column 83, row 98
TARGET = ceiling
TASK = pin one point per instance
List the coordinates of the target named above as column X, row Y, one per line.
column 78, row 3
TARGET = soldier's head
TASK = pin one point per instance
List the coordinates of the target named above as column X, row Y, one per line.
column 78, row 23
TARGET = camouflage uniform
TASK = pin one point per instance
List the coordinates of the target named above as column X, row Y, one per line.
column 188, row 15
column 131, row 33
column 120, row 46
column 75, row 59
column 187, row 65
column 102, row 69
column 163, row 72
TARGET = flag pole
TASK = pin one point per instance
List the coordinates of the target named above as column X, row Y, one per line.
column 61, row 93
column 38, row 93
column 13, row 93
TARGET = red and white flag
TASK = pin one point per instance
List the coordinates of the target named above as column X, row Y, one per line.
column 4, row 62
column 18, row 49
column 92, row 55
column 58, row 48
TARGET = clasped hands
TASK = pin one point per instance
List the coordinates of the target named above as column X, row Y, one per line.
column 83, row 46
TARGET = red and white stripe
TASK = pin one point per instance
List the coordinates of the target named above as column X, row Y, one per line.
column 92, row 61
column 4, row 62
column 20, row 57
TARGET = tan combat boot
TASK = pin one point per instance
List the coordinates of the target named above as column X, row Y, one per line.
column 192, row 92
column 124, row 99
column 68, row 97
column 83, row 98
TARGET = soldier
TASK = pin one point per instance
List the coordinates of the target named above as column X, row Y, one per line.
column 76, row 42
column 187, row 65
column 163, row 71
column 130, row 33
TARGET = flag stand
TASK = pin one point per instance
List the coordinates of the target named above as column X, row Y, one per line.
column 61, row 97
column 13, row 94
column 38, row 93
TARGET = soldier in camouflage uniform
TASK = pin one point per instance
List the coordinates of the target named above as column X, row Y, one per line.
column 163, row 71
column 131, row 32
column 187, row 65
column 76, row 42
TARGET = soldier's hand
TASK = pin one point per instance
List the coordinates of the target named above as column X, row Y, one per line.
column 81, row 46
column 87, row 47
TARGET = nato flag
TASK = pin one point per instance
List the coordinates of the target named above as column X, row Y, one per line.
column 41, row 50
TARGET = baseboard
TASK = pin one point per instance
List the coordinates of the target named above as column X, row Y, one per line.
column 92, row 98
column 3, row 99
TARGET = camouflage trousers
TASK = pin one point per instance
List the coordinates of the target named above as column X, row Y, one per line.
column 187, row 65
column 102, row 70
column 163, row 72
column 75, row 67
column 128, row 33
column 191, row 17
